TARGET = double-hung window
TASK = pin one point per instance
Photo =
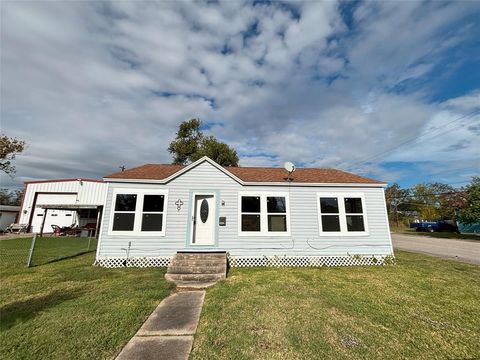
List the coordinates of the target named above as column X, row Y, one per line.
column 250, row 208
column 124, row 215
column 330, row 214
column 354, row 214
column 264, row 214
column 342, row 214
column 152, row 214
column 277, row 213
column 139, row 212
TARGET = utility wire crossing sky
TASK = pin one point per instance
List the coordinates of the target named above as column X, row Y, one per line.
column 389, row 90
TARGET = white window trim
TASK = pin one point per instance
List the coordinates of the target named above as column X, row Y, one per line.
column 137, row 224
column 342, row 214
column 263, row 213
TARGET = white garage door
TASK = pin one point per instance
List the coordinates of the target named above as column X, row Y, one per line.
column 55, row 199
column 54, row 217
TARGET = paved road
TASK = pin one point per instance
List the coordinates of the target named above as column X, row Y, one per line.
column 461, row 250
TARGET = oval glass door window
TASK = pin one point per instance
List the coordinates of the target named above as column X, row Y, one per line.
column 204, row 210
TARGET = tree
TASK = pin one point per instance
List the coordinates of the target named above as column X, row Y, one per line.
column 187, row 142
column 220, row 152
column 10, row 197
column 9, row 148
column 471, row 211
column 190, row 145
column 396, row 198
column 437, row 200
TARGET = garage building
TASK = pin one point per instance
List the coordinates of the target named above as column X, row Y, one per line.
column 63, row 202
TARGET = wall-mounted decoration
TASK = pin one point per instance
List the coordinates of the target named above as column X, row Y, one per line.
column 222, row 221
column 179, row 204
column 223, row 202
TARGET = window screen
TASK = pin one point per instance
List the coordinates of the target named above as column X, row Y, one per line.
column 152, row 215
column 277, row 214
column 124, row 215
column 330, row 214
column 354, row 222
column 250, row 213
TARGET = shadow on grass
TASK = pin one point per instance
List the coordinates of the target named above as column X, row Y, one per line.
column 35, row 263
column 21, row 311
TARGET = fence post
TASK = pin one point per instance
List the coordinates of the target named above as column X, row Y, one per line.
column 32, row 247
column 89, row 239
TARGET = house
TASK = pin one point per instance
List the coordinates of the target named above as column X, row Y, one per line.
column 8, row 215
column 258, row 216
column 61, row 202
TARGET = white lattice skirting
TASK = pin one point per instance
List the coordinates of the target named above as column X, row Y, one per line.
column 259, row 261
column 140, row 262
column 306, row 261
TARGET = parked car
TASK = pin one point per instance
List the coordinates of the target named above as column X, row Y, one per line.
column 431, row 226
column 427, row 226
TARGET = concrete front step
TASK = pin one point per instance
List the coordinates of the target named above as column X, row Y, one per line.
column 190, row 262
column 203, row 269
column 194, row 277
column 192, row 269
column 200, row 256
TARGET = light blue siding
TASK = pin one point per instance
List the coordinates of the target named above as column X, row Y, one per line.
column 304, row 239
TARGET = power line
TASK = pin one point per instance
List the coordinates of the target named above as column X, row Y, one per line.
column 426, row 195
column 402, row 144
column 473, row 113
column 460, row 182
column 417, row 204
column 453, row 170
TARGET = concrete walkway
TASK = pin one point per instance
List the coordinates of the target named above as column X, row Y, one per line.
column 168, row 332
column 453, row 249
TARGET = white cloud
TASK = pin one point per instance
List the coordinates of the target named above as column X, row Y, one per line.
column 469, row 102
column 82, row 82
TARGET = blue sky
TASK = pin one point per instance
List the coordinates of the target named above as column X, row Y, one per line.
column 390, row 90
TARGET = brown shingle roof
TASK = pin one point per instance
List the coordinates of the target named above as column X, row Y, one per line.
column 148, row 171
column 250, row 174
column 300, row 175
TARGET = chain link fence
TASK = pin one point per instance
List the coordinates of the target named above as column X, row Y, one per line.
column 34, row 251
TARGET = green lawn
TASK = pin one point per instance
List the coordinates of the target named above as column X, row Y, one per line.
column 421, row 308
column 69, row 309
column 47, row 249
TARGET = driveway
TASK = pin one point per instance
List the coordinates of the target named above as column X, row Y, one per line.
column 461, row 250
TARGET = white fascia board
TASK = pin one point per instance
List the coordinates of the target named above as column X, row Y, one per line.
column 198, row 162
column 314, row 184
column 178, row 173
column 150, row 181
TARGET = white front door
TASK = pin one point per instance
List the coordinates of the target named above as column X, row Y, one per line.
column 204, row 220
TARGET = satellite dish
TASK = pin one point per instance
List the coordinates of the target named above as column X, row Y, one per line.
column 289, row 167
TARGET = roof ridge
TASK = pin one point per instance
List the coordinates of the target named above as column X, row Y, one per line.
column 281, row 168
column 250, row 167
